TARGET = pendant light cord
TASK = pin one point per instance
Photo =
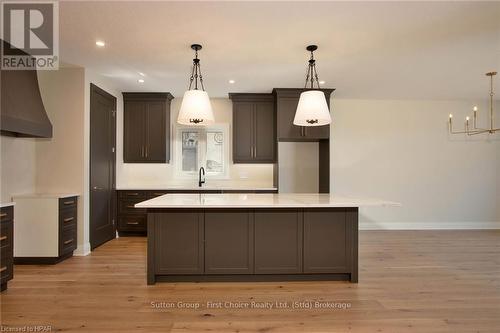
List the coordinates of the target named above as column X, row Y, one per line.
column 196, row 73
column 312, row 74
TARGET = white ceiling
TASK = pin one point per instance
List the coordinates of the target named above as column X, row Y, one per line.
column 416, row 50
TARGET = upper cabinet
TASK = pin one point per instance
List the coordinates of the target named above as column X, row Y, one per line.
column 287, row 100
column 254, row 128
column 146, row 130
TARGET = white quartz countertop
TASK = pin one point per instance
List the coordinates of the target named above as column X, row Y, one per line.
column 7, row 204
column 197, row 188
column 281, row 200
column 47, row 195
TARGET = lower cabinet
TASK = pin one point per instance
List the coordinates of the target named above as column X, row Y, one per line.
column 258, row 242
column 278, row 241
column 6, row 245
column 45, row 231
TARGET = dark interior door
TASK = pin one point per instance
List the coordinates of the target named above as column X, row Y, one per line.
column 102, row 166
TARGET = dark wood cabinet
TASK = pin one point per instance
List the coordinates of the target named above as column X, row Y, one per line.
column 228, row 230
column 179, row 243
column 67, row 226
column 254, row 128
column 326, row 241
column 146, row 130
column 287, row 100
column 278, row 241
column 6, row 245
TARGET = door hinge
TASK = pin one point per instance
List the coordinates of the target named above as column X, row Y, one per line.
column 113, row 112
column 113, row 149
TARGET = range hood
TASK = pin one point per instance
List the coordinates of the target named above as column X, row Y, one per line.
column 22, row 111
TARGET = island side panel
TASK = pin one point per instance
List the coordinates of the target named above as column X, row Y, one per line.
column 151, row 278
column 353, row 220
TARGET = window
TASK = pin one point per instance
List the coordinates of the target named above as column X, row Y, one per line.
column 202, row 147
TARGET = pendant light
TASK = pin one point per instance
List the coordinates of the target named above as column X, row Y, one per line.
column 312, row 109
column 196, row 109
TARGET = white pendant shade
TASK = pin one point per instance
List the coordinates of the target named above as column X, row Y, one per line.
column 196, row 109
column 312, row 109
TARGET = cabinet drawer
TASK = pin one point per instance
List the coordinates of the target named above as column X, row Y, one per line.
column 6, row 214
column 6, row 236
column 154, row 194
column 68, row 218
column 132, row 194
column 132, row 223
column 67, row 241
column 6, row 265
column 65, row 203
column 126, row 206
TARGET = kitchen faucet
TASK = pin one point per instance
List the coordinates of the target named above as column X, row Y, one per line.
column 200, row 182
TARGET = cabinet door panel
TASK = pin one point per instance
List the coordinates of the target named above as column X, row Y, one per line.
column 286, row 112
column 134, row 131
column 228, row 242
column 326, row 242
column 278, row 241
column 156, row 147
column 265, row 132
column 179, row 242
column 243, row 128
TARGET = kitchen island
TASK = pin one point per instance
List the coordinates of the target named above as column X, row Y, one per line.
column 253, row 237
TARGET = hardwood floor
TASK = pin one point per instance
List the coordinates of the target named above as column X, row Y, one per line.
column 409, row 281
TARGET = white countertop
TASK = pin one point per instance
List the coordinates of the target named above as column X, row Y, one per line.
column 196, row 188
column 47, row 195
column 7, row 204
column 282, row 200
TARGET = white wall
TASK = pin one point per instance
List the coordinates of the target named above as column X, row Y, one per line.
column 401, row 151
column 17, row 167
column 60, row 161
column 143, row 175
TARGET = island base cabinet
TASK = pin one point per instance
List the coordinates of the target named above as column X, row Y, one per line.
column 268, row 244
column 229, row 242
column 178, row 242
column 278, row 241
column 327, row 239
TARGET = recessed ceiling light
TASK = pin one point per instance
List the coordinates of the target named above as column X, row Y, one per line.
column 321, row 82
column 140, row 81
column 142, row 74
column 232, row 81
column 100, row 43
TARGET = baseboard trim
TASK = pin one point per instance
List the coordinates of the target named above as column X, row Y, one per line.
column 363, row 225
column 82, row 250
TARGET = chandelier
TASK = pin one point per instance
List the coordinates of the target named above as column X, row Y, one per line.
column 312, row 109
column 476, row 130
column 195, row 107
